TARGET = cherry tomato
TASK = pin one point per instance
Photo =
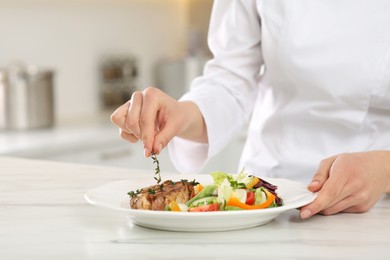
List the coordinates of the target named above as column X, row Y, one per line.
column 205, row 208
column 250, row 198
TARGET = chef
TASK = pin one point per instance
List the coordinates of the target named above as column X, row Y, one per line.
column 312, row 79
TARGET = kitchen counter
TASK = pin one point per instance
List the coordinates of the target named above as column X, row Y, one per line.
column 95, row 140
column 43, row 215
column 86, row 133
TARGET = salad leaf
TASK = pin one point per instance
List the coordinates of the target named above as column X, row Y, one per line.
column 259, row 196
column 205, row 192
column 235, row 182
column 219, row 177
column 204, row 201
column 243, row 177
column 271, row 188
column 225, row 191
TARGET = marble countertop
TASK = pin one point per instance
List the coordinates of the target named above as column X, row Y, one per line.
column 97, row 131
column 43, row 215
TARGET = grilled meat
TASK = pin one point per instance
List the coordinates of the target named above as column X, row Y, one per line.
column 157, row 197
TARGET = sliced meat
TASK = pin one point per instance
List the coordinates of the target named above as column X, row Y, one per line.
column 157, row 197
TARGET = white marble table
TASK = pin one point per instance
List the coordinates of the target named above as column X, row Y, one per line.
column 43, row 215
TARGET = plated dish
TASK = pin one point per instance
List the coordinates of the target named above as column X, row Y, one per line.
column 113, row 196
column 227, row 192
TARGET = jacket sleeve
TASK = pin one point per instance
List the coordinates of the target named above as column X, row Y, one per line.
column 227, row 91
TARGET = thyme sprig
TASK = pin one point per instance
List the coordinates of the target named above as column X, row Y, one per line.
column 194, row 182
column 151, row 191
column 158, row 179
column 157, row 169
column 134, row 193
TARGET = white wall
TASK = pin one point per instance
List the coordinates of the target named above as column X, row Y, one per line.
column 71, row 36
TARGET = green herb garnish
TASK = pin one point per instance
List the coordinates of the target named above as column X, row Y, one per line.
column 134, row 193
column 158, row 179
column 194, row 182
column 155, row 160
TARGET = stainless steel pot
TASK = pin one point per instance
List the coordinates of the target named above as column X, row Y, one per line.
column 26, row 98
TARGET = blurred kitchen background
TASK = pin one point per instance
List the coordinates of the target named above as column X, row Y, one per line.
column 65, row 65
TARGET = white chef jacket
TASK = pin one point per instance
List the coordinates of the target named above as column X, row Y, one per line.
column 325, row 89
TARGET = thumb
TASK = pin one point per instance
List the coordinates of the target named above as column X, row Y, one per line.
column 322, row 174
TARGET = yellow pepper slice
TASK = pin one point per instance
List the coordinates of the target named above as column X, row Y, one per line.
column 252, row 183
column 198, row 188
column 174, row 206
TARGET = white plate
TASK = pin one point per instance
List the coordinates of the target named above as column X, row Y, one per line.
column 114, row 196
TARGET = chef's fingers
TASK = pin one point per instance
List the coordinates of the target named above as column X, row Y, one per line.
column 129, row 137
column 360, row 200
column 133, row 115
column 322, row 174
column 359, row 208
column 119, row 116
column 352, row 195
column 150, row 107
column 343, row 205
column 164, row 136
column 332, row 192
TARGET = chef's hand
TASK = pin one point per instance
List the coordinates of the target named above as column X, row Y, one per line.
column 351, row 182
column 155, row 118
